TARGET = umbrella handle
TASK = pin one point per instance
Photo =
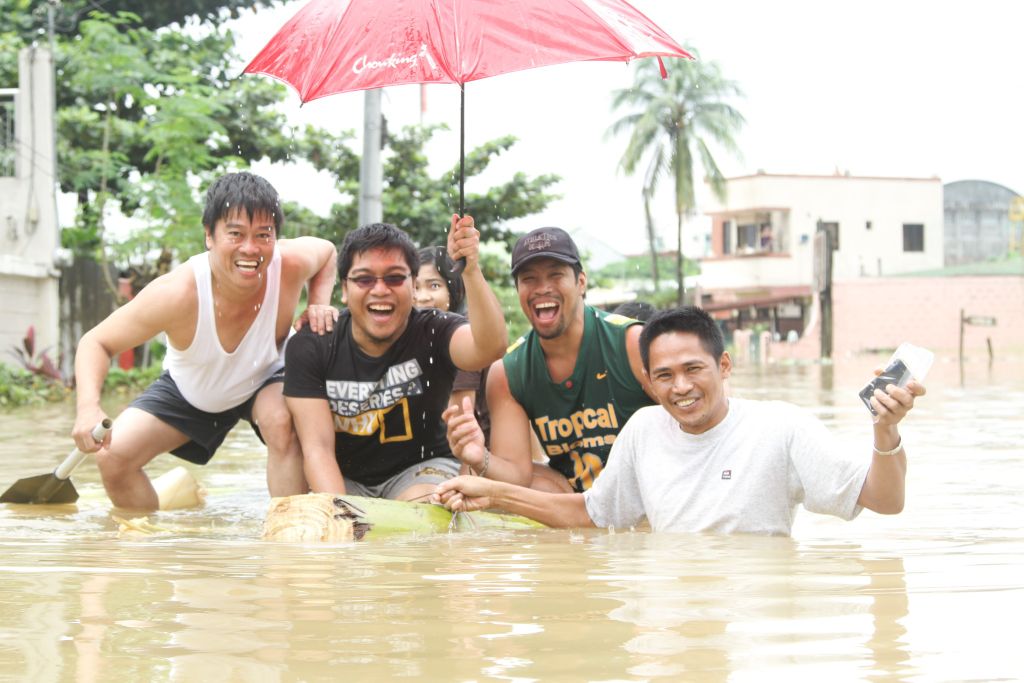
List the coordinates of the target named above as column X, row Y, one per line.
column 461, row 263
column 76, row 456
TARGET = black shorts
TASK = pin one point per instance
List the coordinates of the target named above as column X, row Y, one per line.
column 206, row 431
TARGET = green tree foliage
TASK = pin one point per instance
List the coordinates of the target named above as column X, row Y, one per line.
column 671, row 123
column 416, row 201
column 31, row 17
column 149, row 115
column 146, row 117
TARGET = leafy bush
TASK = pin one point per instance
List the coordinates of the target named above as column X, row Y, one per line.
column 130, row 381
column 21, row 388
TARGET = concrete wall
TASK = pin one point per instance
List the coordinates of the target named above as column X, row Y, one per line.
column 29, row 235
column 881, row 313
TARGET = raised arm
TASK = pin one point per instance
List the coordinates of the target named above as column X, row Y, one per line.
column 484, row 340
column 313, row 262
column 885, row 486
column 509, row 458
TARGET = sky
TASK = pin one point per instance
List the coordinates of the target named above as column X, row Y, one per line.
column 900, row 88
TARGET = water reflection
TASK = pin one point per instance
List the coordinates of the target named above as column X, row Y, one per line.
column 923, row 595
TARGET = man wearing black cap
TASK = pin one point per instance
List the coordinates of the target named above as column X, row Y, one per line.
column 574, row 379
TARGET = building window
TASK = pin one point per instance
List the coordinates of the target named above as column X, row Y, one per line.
column 913, row 237
column 746, row 238
column 7, row 149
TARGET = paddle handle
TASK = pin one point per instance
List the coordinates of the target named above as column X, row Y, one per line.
column 76, row 456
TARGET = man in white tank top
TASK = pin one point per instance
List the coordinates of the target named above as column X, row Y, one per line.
column 227, row 314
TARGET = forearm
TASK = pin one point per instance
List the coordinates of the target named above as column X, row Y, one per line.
column 500, row 468
column 323, row 473
column 321, row 284
column 486, row 319
column 884, row 489
column 566, row 510
column 92, row 364
column 313, row 425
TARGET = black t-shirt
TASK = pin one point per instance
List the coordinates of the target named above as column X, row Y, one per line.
column 386, row 410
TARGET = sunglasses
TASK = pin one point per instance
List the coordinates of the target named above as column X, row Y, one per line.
column 368, row 281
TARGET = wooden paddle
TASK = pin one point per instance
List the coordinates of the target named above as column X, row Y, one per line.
column 55, row 488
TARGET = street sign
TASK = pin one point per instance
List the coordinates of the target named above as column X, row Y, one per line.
column 980, row 320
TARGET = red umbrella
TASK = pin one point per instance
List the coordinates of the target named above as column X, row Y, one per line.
column 335, row 46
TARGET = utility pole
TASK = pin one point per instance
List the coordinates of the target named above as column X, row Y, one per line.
column 370, row 174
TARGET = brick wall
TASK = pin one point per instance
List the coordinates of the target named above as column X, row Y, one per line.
column 880, row 313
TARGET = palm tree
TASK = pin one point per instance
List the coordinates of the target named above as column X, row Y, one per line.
column 672, row 120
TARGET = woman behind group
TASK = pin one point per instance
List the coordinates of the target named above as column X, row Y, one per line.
column 439, row 285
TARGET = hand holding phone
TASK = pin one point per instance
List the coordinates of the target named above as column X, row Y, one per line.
column 908, row 362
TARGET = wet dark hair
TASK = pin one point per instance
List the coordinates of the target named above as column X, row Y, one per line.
column 241, row 191
column 638, row 310
column 376, row 236
column 438, row 256
column 689, row 320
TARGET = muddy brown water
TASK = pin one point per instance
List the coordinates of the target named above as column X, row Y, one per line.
column 933, row 594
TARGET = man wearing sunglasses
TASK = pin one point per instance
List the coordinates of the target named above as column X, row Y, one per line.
column 367, row 399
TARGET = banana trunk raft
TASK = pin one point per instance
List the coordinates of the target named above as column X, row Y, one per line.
column 316, row 517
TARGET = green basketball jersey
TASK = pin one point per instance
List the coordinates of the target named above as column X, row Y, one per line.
column 578, row 419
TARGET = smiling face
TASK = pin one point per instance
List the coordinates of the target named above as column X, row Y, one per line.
column 380, row 313
column 431, row 289
column 241, row 248
column 551, row 296
column 687, row 381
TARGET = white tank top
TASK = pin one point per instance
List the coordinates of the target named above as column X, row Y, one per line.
column 209, row 377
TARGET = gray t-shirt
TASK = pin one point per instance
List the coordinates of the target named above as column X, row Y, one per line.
column 745, row 475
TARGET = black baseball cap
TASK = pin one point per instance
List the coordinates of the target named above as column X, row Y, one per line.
column 544, row 242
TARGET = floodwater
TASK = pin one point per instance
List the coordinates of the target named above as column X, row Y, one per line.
column 933, row 594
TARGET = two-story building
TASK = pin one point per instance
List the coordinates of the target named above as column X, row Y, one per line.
column 762, row 269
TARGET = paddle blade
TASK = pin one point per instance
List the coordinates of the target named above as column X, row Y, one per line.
column 43, row 489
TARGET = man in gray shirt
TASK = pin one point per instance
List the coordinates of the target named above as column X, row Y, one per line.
column 701, row 461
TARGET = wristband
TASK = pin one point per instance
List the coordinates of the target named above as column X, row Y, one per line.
column 894, row 451
column 487, row 463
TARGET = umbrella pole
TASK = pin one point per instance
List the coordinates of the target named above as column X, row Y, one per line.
column 462, row 150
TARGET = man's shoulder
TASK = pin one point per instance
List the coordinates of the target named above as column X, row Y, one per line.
column 298, row 254
column 609, row 328
column 303, row 246
column 308, row 350
column 612, row 319
column 517, row 344
column 772, row 414
column 174, row 290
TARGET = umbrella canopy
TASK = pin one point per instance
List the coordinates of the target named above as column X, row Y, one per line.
column 335, row 46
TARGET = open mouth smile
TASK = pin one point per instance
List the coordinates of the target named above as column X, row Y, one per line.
column 545, row 312
column 249, row 265
column 381, row 310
